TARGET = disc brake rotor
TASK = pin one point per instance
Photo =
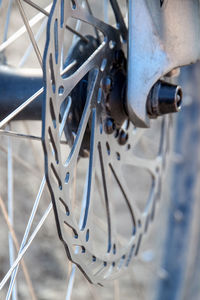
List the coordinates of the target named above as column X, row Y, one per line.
column 98, row 218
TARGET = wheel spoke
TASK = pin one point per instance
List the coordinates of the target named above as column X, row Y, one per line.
column 65, row 115
column 46, row 13
column 72, row 159
column 20, row 108
column 71, row 282
column 41, row 9
column 119, row 19
column 68, row 67
column 12, row 232
column 22, row 30
column 83, row 123
column 10, row 210
column 28, row 228
column 7, row 21
column 20, row 161
column 30, row 48
column 77, row 33
column 27, row 231
column 19, row 135
column 27, row 245
column 86, row 67
column 90, row 11
column 30, row 33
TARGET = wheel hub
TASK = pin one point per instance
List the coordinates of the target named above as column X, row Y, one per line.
column 79, row 53
column 113, row 87
column 116, row 92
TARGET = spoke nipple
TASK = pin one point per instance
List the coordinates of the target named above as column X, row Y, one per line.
column 109, row 126
column 106, row 84
column 123, row 137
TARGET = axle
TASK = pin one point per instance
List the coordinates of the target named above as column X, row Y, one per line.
column 16, row 86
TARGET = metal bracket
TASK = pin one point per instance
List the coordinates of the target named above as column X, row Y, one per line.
column 161, row 38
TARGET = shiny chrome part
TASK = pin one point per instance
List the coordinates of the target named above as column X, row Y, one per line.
column 109, row 149
column 32, row 22
column 17, row 93
column 161, row 38
column 30, row 32
column 123, row 137
column 10, row 210
column 109, row 126
column 164, row 98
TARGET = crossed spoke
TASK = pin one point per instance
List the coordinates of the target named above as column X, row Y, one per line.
column 26, row 242
column 119, row 18
column 32, row 22
column 30, row 32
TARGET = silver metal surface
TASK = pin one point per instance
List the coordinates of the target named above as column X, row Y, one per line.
column 32, row 22
column 26, row 234
column 30, row 33
column 161, row 38
column 9, row 215
column 11, row 209
column 26, row 246
column 106, row 157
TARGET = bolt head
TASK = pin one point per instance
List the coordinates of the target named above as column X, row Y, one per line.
column 106, row 84
column 109, row 126
column 123, row 137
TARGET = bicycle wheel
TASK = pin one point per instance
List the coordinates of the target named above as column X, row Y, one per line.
column 113, row 171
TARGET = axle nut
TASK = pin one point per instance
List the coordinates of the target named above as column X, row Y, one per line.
column 164, row 98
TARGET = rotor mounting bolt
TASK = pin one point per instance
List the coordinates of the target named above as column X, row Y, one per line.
column 106, row 84
column 109, row 126
column 119, row 57
column 164, row 98
column 123, row 137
